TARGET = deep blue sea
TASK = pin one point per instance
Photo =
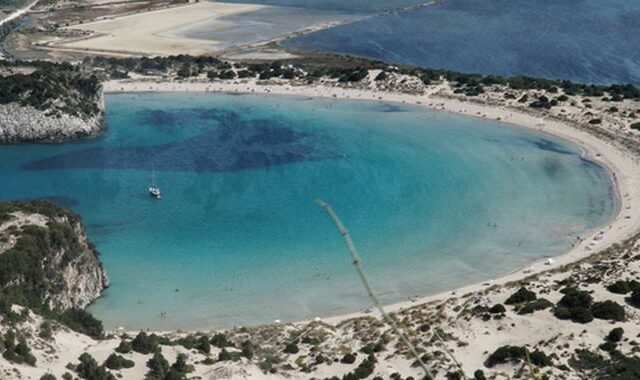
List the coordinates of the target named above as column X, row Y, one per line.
column 432, row 200
column 589, row 41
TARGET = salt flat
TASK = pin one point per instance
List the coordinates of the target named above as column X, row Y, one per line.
column 140, row 34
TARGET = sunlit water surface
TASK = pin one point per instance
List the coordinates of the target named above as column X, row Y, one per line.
column 432, row 200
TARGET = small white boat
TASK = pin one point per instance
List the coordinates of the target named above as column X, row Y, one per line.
column 155, row 192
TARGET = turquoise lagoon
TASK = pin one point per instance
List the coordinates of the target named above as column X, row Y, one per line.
column 432, row 200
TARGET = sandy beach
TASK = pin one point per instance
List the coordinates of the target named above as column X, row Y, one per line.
column 624, row 168
column 142, row 33
column 166, row 31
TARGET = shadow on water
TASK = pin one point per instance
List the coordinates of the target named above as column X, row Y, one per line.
column 234, row 145
column 551, row 146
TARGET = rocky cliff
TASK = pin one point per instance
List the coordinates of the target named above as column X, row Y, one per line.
column 46, row 261
column 52, row 103
column 27, row 124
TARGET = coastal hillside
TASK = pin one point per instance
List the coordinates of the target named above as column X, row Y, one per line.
column 48, row 103
column 46, row 262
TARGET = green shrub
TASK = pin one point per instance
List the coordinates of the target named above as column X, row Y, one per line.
column 497, row 309
column 291, row 348
column 635, row 126
column 609, row 310
column 46, row 331
column 575, row 305
column 608, row 346
column 539, row 359
column 47, row 376
column 145, row 344
column 623, row 286
column 530, row 307
column 479, row 375
column 82, row 322
column 224, row 355
column 615, row 335
column 220, row 340
column 124, row 347
column 247, row 349
column 117, row 362
column 90, row 370
column 158, row 367
column 521, row 296
column 18, row 353
column 348, row 358
column 634, row 300
column 506, row 354
column 366, row 368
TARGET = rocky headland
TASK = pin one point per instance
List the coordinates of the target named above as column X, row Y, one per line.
column 46, row 261
column 48, row 103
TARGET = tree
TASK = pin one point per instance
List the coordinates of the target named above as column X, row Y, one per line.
column 145, row 344
column 90, row 370
column 158, row 367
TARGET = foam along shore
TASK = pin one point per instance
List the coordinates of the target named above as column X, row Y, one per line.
column 142, row 33
column 622, row 165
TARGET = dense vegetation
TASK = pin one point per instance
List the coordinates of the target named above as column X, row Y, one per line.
column 351, row 69
column 54, row 88
column 506, row 354
column 17, row 351
column 578, row 306
column 28, row 276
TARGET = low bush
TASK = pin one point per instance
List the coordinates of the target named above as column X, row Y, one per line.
column 575, row 305
column 530, row 307
column 520, row 296
column 20, row 352
column 124, row 347
column 615, row 335
column 634, row 300
column 291, row 348
column 220, row 340
column 609, row 310
column 117, row 362
column 479, row 375
column 623, row 286
column 348, row 358
column 82, row 322
column 144, row 343
column 497, row 309
column 90, row 370
column 506, row 354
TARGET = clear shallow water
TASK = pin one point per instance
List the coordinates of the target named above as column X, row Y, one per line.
column 432, row 200
column 354, row 6
column 589, row 41
column 259, row 25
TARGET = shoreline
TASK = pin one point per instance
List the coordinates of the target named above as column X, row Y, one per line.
column 613, row 159
column 160, row 32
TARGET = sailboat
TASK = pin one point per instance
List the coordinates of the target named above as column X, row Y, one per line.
column 154, row 190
